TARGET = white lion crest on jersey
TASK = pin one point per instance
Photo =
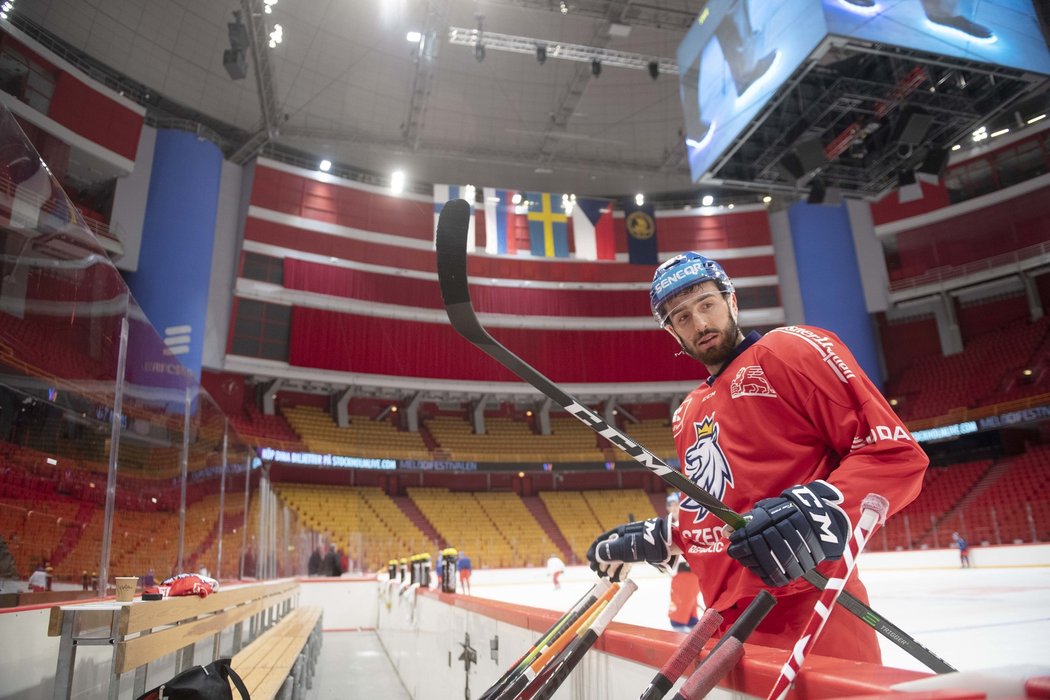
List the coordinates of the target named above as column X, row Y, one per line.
column 750, row 381
column 706, row 466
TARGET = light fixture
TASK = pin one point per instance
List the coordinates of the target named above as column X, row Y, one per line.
column 393, row 409
column 893, row 402
column 541, row 53
column 956, row 147
column 564, row 8
column 325, row 166
column 730, row 205
column 596, row 68
column 767, row 199
column 515, row 198
column 639, row 199
column 521, row 475
column 980, row 135
column 397, row 181
column 654, row 69
column 1027, row 373
column 528, row 414
column 707, row 201
column 999, row 133
column 54, row 462
column 413, row 37
column 1033, row 120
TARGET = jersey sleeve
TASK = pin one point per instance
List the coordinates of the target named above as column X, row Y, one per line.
column 876, row 452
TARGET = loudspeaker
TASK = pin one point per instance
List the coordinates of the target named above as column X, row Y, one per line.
column 935, row 162
column 235, row 64
column 805, row 157
column 916, row 124
column 810, row 154
column 790, row 167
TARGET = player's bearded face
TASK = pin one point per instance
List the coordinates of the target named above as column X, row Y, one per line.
column 713, row 345
column 705, row 325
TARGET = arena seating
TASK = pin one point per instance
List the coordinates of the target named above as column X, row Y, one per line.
column 363, row 519
column 460, row 519
column 574, row 517
column 513, row 440
column 529, row 543
column 261, row 430
column 943, row 489
column 937, row 385
column 364, row 437
column 653, row 434
column 1013, row 508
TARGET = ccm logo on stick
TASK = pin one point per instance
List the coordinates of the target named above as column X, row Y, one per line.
column 616, row 437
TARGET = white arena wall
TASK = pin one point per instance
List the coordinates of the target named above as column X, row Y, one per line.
column 423, row 635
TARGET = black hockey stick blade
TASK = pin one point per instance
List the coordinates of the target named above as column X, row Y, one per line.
column 452, row 275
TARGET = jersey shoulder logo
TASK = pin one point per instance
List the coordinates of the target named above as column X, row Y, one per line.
column 706, row 465
column 751, row 381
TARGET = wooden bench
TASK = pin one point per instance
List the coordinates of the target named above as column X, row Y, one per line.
column 280, row 663
column 141, row 632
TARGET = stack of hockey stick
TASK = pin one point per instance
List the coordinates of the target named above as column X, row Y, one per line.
column 544, row 667
column 452, row 275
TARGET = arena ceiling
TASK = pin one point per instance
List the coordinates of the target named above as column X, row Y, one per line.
column 346, row 85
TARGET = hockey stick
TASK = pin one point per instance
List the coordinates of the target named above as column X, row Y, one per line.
column 684, row 655
column 712, row 669
column 516, row 686
column 728, row 651
column 578, row 647
column 873, row 512
column 452, row 276
column 556, row 629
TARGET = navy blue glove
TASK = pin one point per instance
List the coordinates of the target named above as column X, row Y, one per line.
column 647, row 540
column 787, row 536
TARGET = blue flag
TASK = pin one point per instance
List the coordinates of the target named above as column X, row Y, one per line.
column 641, row 234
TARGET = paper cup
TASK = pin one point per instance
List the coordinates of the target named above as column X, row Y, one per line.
column 126, row 588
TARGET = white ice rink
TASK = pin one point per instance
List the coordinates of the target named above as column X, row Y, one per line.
column 972, row 618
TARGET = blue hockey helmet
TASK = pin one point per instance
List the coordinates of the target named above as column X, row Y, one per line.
column 681, row 272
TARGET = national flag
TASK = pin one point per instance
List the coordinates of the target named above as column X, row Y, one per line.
column 444, row 193
column 502, row 219
column 641, row 233
column 548, row 225
column 592, row 229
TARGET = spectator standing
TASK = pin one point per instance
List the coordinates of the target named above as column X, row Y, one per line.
column 313, row 564
column 464, row 567
column 331, row 566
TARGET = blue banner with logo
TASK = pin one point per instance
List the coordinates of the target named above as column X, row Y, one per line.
column 641, row 233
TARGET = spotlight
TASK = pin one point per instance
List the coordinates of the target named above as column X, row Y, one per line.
column 397, row 182
column 639, row 199
column 541, row 54
column 654, row 69
column 596, row 68
column 479, row 52
column 325, row 165
column 707, row 201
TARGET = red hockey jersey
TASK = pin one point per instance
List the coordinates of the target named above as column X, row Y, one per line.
column 792, row 407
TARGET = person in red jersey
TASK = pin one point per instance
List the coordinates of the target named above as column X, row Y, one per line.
column 787, row 430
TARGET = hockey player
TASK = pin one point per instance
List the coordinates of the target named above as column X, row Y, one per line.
column 788, row 428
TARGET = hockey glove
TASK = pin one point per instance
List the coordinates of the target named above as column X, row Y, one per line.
column 787, row 536
column 647, row 540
